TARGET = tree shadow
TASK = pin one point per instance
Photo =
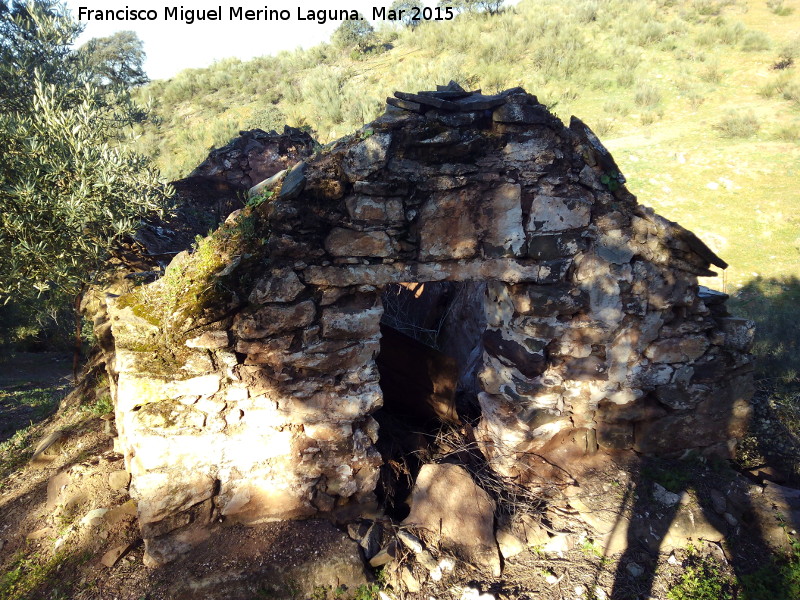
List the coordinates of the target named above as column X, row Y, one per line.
column 747, row 516
column 774, row 436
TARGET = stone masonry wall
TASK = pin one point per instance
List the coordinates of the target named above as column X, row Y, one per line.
column 245, row 377
column 256, row 155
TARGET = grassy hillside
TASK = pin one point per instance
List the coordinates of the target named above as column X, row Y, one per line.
column 698, row 100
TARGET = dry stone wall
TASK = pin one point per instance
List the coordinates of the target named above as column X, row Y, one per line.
column 256, row 155
column 246, row 378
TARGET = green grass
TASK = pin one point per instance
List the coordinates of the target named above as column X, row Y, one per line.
column 15, row 452
column 779, row 8
column 647, row 95
column 673, row 478
column 788, row 133
column 738, row 125
column 702, row 579
column 779, row 580
column 772, row 304
column 41, row 401
column 35, row 404
column 29, row 574
column 102, row 406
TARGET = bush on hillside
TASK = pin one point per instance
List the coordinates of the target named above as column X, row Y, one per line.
column 738, row 125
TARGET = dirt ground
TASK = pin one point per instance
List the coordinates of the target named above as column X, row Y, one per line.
column 68, row 530
column 20, row 377
column 36, row 369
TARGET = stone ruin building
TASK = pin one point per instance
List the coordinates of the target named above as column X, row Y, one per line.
column 250, row 378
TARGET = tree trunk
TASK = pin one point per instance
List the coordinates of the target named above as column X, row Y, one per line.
column 76, row 351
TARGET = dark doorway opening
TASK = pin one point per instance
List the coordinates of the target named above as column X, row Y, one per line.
column 430, row 351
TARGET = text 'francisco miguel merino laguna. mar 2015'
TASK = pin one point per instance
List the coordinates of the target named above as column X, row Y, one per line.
column 180, row 14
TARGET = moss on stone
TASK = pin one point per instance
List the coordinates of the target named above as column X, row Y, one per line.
column 168, row 410
column 139, row 308
column 195, row 290
column 157, row 359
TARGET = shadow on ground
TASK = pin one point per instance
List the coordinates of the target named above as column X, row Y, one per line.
column 755, row 517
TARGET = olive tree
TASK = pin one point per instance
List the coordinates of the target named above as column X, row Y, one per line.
column 353, row 32
column 491, row 7
column 70, row 189
column 117, row 59
column 34, row 42
column 410, row 8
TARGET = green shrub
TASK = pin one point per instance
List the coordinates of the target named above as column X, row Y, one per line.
column 603, row 127
column 775, row 86
column 564, row 56
column 267, row 118
column 730, row 34
column 494, row 78
column 707, row 8
column 652, row 33
column 791, row 92
column 719, row 32
column 586, row 12
column 755, row 41
column 738, row 125
column 702, row 579
column 695, row 99
column 615, row 106
column 626, row 78
column 705, row 38
column 649, row 117
column 353, row 32
column 677, row 27
column 711, row 72
column 647, row 95
column 791, row 50
column 789, row 133
column 291, row 91
column 779, row 8
column 324, row 91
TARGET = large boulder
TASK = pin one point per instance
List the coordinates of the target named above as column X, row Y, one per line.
column 451, row 507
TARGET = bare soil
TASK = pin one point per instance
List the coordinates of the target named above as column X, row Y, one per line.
column 30, row 386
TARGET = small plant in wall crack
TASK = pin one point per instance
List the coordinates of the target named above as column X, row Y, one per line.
column 613, row 181
column 260, row 198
